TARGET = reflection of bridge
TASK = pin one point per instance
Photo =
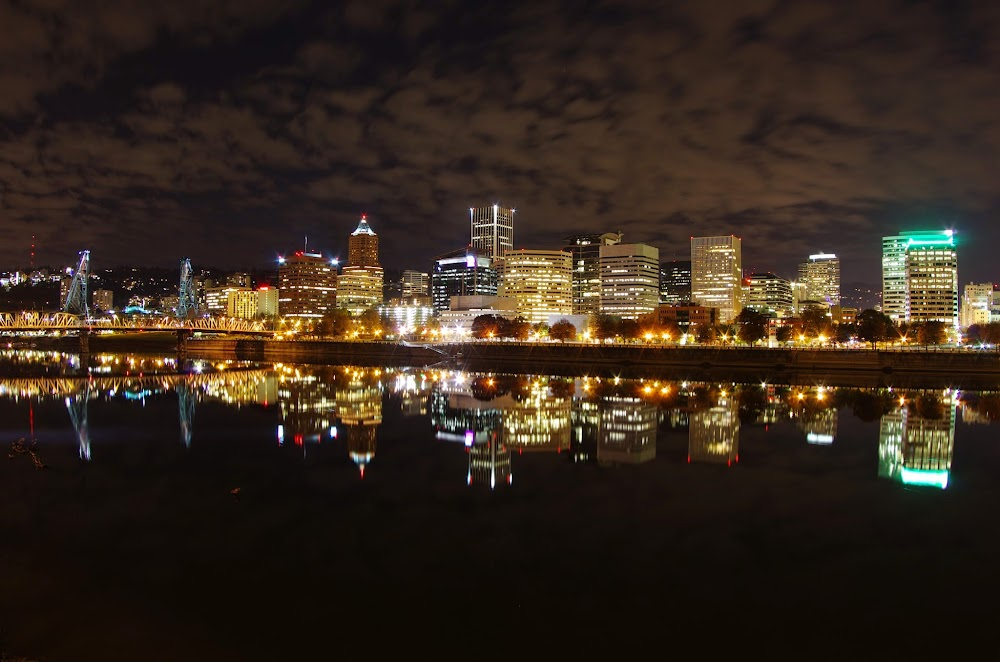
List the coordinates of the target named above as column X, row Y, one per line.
column 35, row 321
column 77, row 392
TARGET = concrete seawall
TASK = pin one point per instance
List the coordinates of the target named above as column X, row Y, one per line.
column 914, row 369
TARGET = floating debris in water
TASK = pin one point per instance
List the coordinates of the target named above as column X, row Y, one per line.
column 19, row 448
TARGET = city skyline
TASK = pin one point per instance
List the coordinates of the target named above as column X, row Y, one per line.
column 229, row 135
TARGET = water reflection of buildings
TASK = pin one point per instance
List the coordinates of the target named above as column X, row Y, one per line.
column 359, row 407
column 457, row 415
column 541, row 422
column 585, row 417
column 917, row 449
column 820, row 426
column 627, row 432
column 307, row 401
column 713, row 433
column 489, row 463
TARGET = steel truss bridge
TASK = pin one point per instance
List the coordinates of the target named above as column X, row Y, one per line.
column 61, row 321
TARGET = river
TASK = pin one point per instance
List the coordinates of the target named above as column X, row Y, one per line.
column 161, row 509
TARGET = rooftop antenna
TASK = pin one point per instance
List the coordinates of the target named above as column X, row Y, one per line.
column 307, row 245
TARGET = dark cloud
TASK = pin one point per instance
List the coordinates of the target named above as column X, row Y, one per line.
column 229, row 131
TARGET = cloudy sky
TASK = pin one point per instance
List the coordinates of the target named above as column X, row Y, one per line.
column 229, row 131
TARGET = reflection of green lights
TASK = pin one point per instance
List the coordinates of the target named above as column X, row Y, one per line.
column 924, row 477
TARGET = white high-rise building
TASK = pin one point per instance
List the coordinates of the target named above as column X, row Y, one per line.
column 920, row 277
column 821, row 278
column 717, row 274
column 977, row 300
column 539, row 281
column 630, row 280
column 492, row 230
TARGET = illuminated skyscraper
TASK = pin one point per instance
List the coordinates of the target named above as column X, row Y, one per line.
column 307, row 285
column 359, row 286
column 630, row 280
column 769, row 294
column 717, row 274
column 920, row 277
column 820, row 277
column 586, row 252
column 462, row 273
column 492, row 230
column 362, row 246
column 539, row 281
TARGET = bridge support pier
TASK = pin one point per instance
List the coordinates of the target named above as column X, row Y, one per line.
column 182, row 339
column 84, row 342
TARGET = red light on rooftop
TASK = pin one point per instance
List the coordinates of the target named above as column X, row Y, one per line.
column 263, row 288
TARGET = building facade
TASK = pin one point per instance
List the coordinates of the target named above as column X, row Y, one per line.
column 539, row 281
column 492, row 230
column 977, row 300
column 769, row 294
column 359, row 286
column 675, row 282
column 820, row 277
column 462, row 273
column 630, row 280
column 586, row 252
column 920, row 277
column 307, row 285
column 415, row 284
column 717, row 274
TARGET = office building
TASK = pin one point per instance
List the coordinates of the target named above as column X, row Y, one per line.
column 769, row 294
column 820, row 277
column 307, row 285
column 104, row 300
column 586, row 252
column 359, row 286
column 456, row 320
column 675, row 282
column 492, row 230
column 717, row 274
column 920, row 277
column 977, row 300
column 630, row 280
column 252, row 304
column 539, row 281
column 217, row 299
column 462, row 273
column 415, row 284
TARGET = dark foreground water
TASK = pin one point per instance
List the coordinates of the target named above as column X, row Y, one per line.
column 237, row 512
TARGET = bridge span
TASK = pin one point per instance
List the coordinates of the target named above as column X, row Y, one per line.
column 25, row 321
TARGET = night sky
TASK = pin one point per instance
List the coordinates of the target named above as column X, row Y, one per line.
column 229, row 131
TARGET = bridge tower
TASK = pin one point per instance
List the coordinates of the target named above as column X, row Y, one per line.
column 186, row 397
column 187, row 302
column 76, row 298
column 77, row 405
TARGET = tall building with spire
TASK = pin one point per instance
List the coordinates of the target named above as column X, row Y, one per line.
column 492, row 230
column 359, row 286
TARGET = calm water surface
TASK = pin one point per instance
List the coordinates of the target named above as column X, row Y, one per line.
column 234, row 511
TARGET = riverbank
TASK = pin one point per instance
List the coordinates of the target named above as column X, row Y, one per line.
column 833, row 367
